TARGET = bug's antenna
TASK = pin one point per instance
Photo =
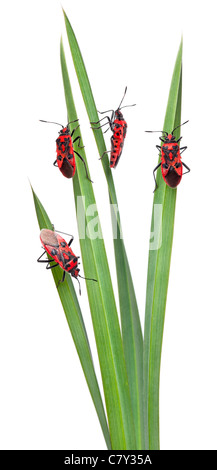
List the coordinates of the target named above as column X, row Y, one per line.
column 162, row 132
column 119, row 107
column 180, row 126
column 88, row 278
column 79, row 285
column 128, row 105
column 51, row 122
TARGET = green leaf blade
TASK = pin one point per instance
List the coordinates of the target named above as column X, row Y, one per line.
column 102, row 305
column 75, row 321
column 132, row 336
column 158, row 274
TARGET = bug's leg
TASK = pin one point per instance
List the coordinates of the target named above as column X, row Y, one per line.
column 186, row 166
column 79, row 140
column 55, row 163
column 71, row 122
column 179, row 139
column 51, row 266
column 183, row 149
column 106, row 123
column 107, row 130
column 106, row 151
column 64, row 233
column 63, row 278
column 158, row 147
column 42, row 260
column 47, row 261
column 70, row 241
column 159, row 164
column 99, row 127
column 75, row 129
column 97, row 122
column 109, row 127
column 84, row 165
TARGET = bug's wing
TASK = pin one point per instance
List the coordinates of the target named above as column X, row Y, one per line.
column 48, row 237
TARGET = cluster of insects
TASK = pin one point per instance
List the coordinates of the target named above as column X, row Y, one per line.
column 171, row 167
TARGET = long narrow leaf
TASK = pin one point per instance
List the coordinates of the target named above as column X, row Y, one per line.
column 102, row 305
column 132, row 336
column 158, row 273
column 131, row 327
column 75, row 321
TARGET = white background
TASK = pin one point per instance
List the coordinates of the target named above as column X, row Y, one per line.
column 45, row 403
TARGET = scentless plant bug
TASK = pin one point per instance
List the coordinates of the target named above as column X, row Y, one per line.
column 118, row 126
column 66, row 152
column 171, row 164
column 61, row 252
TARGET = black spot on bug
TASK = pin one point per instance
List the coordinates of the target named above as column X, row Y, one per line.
column 53, row 252
column 175, row 150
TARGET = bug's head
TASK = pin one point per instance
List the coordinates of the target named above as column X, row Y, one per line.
column 118, row 114
column 169, row 138
column 75, row 272
column 166, row 137
column 64, row 131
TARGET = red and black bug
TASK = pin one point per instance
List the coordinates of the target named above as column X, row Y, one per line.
column 118, row 126
column 66, row 152
column 61, row 252
column 171, row 164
